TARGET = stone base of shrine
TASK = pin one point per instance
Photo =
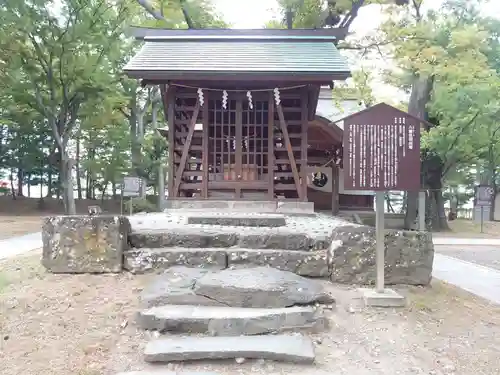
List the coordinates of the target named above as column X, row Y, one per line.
column 247, row 206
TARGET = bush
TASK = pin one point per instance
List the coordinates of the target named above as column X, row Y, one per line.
column 138, row 205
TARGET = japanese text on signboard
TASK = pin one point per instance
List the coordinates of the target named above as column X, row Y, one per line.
column 381, row 153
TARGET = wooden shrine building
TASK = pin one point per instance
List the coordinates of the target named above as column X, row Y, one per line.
column 241, row 108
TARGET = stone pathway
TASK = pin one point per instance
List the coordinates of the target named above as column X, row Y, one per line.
column 477, row 279
column 15, row 246
column 228, row 314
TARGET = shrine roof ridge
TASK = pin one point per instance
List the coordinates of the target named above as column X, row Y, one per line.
column 262, row 35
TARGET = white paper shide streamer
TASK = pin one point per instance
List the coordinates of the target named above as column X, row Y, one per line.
column 201, row 98
column 277, row 96
column 224, row 99
column 250, row 103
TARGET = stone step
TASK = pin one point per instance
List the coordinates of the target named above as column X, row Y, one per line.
column 237, row 219
column 289, row 348
column 250, row 238
column 166, row 372
column 289, row 207
column 253, row 287
column 304, row 263
column 230, row 321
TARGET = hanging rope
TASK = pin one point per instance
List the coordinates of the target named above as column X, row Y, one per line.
column 244, row 91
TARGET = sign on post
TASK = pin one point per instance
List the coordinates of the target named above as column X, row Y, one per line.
column 482, row 203
column 131, row 188
column 381, row 150
column 381, row 153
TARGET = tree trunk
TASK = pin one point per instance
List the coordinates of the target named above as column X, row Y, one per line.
column 20, row 181
column 78, row 170
column 11, row 178
column 67, row 185
column 113, row 187
column 420, row 95
column 29, row 185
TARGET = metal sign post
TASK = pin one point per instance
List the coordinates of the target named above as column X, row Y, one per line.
column 381, row 154
column 380, row 238
column 131, row 188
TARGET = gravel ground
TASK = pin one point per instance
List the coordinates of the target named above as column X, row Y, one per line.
column 488, row 256
column 83, row 325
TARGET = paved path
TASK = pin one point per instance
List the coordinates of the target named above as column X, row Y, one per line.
column 11, row 247
column 479, row 280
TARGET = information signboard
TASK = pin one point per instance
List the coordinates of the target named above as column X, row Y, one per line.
column 381, row 150
column 131, row 186
column 484, row 195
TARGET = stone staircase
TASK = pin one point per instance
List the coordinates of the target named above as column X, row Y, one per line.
column 230, row 281
column 295, row 241
column 251, row 313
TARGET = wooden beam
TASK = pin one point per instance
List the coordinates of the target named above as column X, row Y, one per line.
column 304, row 100
column 185, row 151
column 270, row 146
column 291, row 157
column 204, row 156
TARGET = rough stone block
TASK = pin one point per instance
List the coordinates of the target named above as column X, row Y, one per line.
column 228, row 321
column 304, row 263
column 276, row 240
column 189, row 237
column 238, row 220
column 84, row 244
column 389, row 298
column 175, row 286
column 144, row 260
column 290, row 348
column 408, row 256
column 263, row 287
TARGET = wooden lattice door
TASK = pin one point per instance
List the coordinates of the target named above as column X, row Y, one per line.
column 237, row 146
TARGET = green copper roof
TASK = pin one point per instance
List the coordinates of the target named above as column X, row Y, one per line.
column 161, row 58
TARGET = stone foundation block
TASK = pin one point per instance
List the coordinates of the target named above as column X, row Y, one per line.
column 408, row 256
column 304, row 263
column 84, row 244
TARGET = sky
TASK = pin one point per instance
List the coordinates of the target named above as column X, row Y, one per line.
column 253, row 15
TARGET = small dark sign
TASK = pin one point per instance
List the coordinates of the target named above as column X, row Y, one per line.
column 382, row 150
column 484, row 195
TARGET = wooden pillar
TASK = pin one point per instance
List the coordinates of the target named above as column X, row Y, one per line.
column 335, row 189
column 170, row 117
column 270, row 146
column 204, row 156
column 304, row 98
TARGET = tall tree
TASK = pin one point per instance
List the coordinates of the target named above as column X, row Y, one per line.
column 60, row 61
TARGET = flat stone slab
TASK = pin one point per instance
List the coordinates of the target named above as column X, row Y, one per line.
column 288, row 348
column 389, row 298
column 254, row 287
column 166, row 372
column 229, row 321
column 175, row 287
column 144, row 260
column 84, row 244
column 263, row 287
column 238, row 220
column 304, row 263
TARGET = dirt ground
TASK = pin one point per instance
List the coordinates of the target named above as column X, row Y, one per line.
column 12, row 226
column 83, row 325
column 470, row 229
